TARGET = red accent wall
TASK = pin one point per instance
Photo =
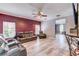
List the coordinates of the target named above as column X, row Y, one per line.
column 22, row 24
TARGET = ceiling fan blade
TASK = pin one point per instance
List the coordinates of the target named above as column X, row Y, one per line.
column 44, row 15
column 34, row 14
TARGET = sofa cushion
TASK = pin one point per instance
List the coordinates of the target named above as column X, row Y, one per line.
column 9, row 40
column 26, row 35
column 2, row 51
column 2, row 39
column 12, row 44
column 20, row 36
column 14, row 52
column 1, row 43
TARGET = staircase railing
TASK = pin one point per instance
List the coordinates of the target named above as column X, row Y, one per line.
column 72, row 43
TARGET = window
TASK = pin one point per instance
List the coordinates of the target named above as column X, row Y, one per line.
column 37, row 29
column 61, row 28
column 9, row 29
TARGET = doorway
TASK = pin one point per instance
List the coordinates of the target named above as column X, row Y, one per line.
column 60, row 26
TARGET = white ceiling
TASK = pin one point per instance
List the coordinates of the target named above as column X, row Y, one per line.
column 26, row 10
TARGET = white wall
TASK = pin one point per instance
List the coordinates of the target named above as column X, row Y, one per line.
column 69, row 23
column 78, row 25
column 48, row 27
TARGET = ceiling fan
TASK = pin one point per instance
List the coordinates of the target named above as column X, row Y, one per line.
column 39, row 13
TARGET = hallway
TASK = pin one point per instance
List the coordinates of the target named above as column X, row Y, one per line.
column 48, row 47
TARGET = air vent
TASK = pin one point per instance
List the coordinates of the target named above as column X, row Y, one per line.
column 57, row 15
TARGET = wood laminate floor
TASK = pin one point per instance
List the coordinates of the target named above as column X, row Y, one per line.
column 48, row 47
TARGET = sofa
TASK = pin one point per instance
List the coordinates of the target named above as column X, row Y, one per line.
column 11, row 47
column 42, row 35
column 25, row 36
column 18, row 51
